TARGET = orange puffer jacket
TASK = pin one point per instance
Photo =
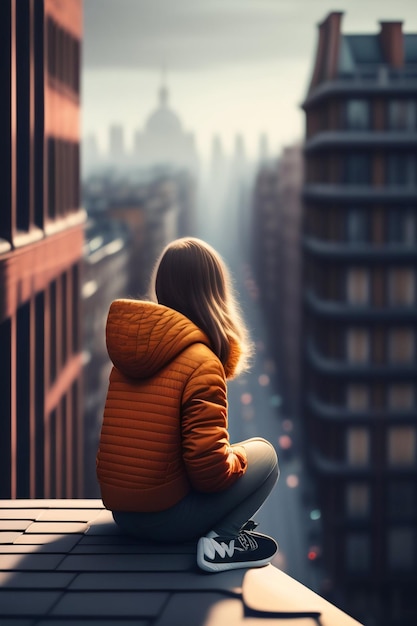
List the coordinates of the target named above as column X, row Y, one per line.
column 164, row 429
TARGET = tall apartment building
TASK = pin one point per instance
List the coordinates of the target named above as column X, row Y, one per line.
column 276, row 231
column 265, row 233
column 41, row 237
column 290, row 180
column 360, row 313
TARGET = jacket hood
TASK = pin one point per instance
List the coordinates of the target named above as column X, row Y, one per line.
column 142, row 337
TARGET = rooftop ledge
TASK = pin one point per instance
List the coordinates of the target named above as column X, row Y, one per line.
column 64, row 562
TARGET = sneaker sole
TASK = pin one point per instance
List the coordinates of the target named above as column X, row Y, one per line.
column 209, row 566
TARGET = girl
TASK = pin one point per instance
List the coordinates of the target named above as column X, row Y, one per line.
column 165, row 465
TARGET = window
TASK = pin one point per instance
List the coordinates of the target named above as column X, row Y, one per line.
column 401, row 345
column 6, row 133
column 358, row 446
column 401, row 396
column 5, row 391
column 357, row 169
column 401, row 226
column 53, row 359
column 75, row 346
column 401, row 446
column 401, row 169
column 409, row 227
column 358, row 552
column 357, row 226
column 24, row 89
column 357, row 286
column 357, row 345
column 24, row 398
column 402, row 498
column 401, row 548
column 63, row 192
column 358, row 500
column 402, row 115
column 357, row 115
column 63, row 56
column 401, row 286
column 357, row 397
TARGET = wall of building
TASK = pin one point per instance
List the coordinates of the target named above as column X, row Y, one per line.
column 359, row 324
column 41, row 238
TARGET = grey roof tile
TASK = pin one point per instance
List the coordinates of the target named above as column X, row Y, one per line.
column 125, row 563
column 72, row 515
column 14, row 524
column 8, row 537
column 79, row 569
column 42, row 580
column 59, row 543
column 131, row 547
column 111, row 604
column 13, row 513
column 228, row 582
column 27, row 602
column 17, row 548
column 57, row 527
column 20, row 562
column 17, row 622
column 134, row 621
column 23, row 503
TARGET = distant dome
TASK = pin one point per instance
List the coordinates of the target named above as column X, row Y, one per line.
column 163, row 140
column 163, row 120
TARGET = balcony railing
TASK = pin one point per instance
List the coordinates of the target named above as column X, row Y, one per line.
column 338, row 310
column 346, row 194
column 366, row 80
column 331, row 467
column 337, row 368
column 346, row 251
column 343, row 414
column 346, row 138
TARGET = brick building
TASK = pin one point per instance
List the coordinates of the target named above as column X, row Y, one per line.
column 41, row 237
column 360, row 330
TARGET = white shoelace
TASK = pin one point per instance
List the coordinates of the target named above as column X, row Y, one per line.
column 246, row 541
column 213, row 546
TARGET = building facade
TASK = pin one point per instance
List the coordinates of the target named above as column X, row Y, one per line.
column 265, row 234
column 41, row 238
column 360, row 304
column 276, row 231
column 290, row 179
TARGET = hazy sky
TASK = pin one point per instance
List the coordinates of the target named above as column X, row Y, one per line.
column 232, row 66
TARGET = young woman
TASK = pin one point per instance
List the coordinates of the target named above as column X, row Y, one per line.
column 165, row 465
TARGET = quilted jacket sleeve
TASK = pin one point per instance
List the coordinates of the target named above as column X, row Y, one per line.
column 212, row 463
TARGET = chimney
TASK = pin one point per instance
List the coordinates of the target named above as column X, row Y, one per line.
column 392, row 43
column 327, row 55
column 333, row 27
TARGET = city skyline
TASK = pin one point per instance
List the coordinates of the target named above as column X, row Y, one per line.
column 231, row 67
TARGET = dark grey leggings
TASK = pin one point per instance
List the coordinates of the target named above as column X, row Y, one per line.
column 224, row 512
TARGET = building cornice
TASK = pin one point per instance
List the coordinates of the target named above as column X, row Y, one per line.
column 332, row 468
column 347, row 194
column 343, row 415
column 363, row 84
column 348, row 139
column 355, row 252
column 336, row 368
column 346, row 311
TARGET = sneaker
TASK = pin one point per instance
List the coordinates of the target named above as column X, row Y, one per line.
column 248, row 549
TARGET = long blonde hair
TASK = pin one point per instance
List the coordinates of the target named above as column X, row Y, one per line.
column 192, row 278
